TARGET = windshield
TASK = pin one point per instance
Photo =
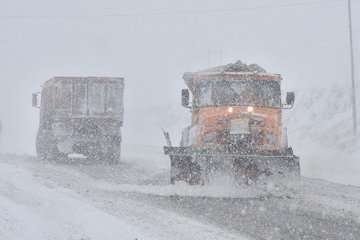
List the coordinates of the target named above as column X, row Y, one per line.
column 263, row 93
column 93, row 98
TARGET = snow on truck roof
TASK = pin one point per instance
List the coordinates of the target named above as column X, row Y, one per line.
column 236, row 71
column 57, row 79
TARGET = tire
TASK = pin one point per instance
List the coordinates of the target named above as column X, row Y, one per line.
column 112, row 157
column 245, row 171
column 185, row 170
column 46, row 148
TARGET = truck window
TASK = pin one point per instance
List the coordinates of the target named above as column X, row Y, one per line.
column 82, row 97
column 63, row 96
column 96, row 98
column 79, row 98
column 113, row 101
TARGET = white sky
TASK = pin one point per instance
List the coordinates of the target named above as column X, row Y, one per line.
column 151, row 43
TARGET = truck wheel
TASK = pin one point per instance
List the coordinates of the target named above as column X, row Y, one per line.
column 183, row 169
column 195, row 174
column 46, row 149
column 112, row 157
column 50, row 154
column 245, row 171
column 112, row 154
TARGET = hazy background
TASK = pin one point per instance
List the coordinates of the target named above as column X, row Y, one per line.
column 151, row 43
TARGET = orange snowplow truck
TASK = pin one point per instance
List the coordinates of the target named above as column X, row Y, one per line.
column 236, row 126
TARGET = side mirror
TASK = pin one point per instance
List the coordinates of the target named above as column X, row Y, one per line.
column 185, row 97
column 35, row 97
column 290, row 98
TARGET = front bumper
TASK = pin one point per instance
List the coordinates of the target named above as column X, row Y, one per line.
column 88, row 146
column 190, row 161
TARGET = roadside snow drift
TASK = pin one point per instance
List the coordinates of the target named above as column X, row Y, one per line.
column 320, row 131
column 42, row 201
column 29, row 210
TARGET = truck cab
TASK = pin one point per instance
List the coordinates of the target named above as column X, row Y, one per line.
column 80, row 117
column 238, row 109
column 236, row 126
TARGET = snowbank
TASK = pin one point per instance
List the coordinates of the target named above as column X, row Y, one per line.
column 29, row 210
column 55, row 201
column 320, row 131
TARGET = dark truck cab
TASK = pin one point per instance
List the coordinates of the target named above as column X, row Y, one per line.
column 80, row 117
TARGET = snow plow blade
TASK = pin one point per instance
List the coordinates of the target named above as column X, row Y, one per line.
column 197, row 165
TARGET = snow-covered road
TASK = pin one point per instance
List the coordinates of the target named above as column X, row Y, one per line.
column 31, row 209
column 44, row 201
column 41, row 200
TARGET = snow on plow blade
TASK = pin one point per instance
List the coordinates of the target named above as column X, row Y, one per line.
column 198, row 165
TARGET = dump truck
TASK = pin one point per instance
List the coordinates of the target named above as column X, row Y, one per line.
column 80, row 118
column 236, row 127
